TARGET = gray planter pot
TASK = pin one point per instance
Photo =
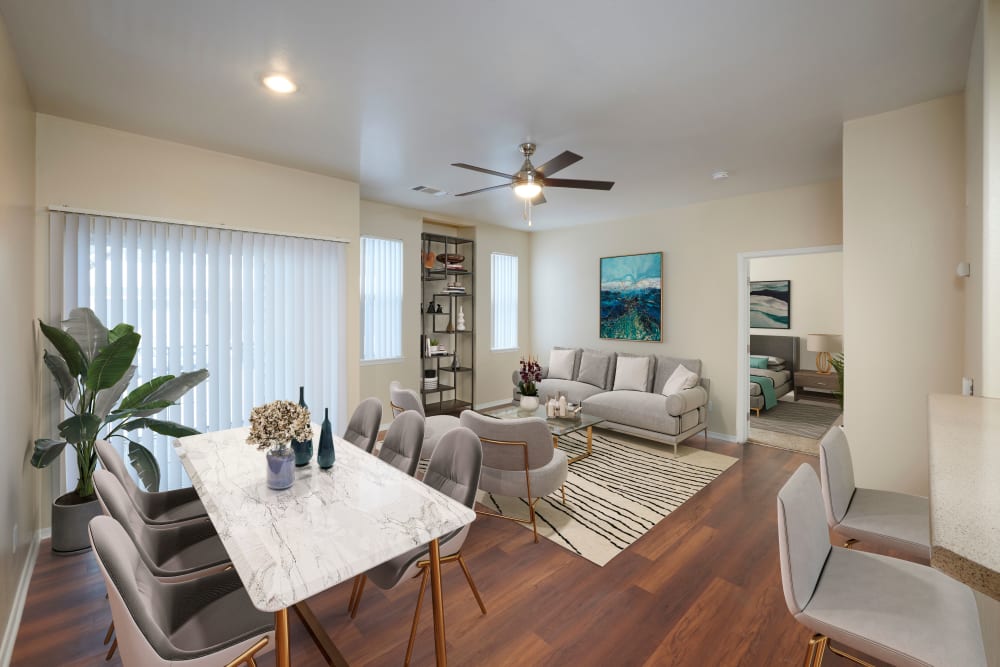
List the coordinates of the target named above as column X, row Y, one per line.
column 70, row 518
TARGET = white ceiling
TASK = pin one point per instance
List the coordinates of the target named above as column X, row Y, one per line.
column 654, row 94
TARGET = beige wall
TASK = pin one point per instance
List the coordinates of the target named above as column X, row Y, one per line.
column 904, row 182
column 990, row 384
column 817, row 295
column 973, row 363
column 700, row 244
column 19, row 365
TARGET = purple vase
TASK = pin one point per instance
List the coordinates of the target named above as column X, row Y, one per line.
column 280, row 468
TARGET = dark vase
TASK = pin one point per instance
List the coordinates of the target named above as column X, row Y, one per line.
column 326, row 455
column 303, row 450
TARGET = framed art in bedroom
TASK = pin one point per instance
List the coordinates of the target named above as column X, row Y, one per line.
column 632, row 297
column 771, row 304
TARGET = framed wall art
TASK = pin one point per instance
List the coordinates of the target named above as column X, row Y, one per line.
column 771, row 304
column 632, row 297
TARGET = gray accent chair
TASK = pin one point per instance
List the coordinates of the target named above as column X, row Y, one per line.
column 884, row 519
column 185, row 550
column 904, row 613
column 158, row 508
column 401, row 447
column 197, row 623
column 519, row 461
column 435, row 426
column 363, row 428
column 454, row 470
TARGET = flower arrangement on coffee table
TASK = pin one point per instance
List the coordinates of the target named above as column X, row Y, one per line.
column 531, row 375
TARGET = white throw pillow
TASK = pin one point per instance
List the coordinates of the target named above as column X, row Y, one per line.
column 561, row 364
column 631, row 373
column 679, row 380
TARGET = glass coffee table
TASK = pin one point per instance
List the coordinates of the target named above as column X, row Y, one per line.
column 558, row 426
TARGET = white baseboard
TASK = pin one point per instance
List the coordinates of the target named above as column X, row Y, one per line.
column 17, row 607
column 491, row 404
column 44, row 533
column 722, row 436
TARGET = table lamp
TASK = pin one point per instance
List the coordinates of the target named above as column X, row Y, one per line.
column 823, row 345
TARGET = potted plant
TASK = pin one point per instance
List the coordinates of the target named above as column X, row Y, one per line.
column 273, row 427
column 837, row 361
column 92, row 368
column 531, row 374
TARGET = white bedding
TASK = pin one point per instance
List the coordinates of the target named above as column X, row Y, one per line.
column 778, row 377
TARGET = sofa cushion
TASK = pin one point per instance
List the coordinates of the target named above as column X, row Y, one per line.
column 665, row 367
column 632, row 373
column 686, row 400
column 679, row 380
column 562, row 364
column 641, row 410
column 576, row 361
column 594, row 368
column 575, row 392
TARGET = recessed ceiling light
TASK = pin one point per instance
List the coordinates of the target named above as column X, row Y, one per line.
column 720, row 175
column 280, row 83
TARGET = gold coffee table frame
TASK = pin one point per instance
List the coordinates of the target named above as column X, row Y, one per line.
column 558, row 426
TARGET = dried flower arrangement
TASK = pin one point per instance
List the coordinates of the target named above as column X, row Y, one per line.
column 531, row 373
column 277, row 423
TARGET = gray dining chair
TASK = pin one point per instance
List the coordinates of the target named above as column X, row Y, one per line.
column 884, row 519
column 195, row 623
column 518, row 461
column 363, row 428
column 401, row 446
column 435, row 426
column 157, row 508
column 454, row 470
column 901, row 612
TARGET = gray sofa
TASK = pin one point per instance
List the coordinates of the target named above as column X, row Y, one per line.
column 647, row 414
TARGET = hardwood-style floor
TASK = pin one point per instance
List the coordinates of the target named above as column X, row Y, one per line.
column 702, row 588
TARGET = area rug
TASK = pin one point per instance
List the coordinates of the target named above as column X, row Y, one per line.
column 617, row 495
column 801, row 419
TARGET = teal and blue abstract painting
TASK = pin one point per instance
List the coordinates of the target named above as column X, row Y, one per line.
column 771, row 304
column 632, row 297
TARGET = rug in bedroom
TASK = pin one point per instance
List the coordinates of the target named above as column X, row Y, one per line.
column 795, row 426
column 617, row 495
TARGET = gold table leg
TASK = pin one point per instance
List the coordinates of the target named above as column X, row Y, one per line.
column 590, row 445
column 282, row 653
column 440, row 650
column 319, row 636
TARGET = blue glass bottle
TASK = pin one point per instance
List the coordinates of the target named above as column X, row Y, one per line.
column 326, row 455
column 303, row 450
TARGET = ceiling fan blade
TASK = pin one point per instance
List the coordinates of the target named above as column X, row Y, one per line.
column 481, row 170
column 575, row 183
column 539, row 199
column 473, row 192
column 558, row 163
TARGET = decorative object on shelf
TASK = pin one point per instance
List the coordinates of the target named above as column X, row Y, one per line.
column 460, row 325
column 449, row 328
column 430, row 307
column 439, row 311
column 92, row 368
column 428, row 259
column 326, row 454
column 303, row 450
column 272, row 427
column 823, row 345
column 455, row 287
column 632, row 297
column 770, row 304
column 450, row 258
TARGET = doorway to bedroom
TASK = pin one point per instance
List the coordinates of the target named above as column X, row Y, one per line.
column 791, row 324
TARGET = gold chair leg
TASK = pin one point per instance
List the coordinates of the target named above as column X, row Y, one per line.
column 850, row 657
column 534, row 523
column 111, row 631
column 468, row 577
column 850, row 543
column 111, row 651
column 424, row 571
column 815, row 650
column 563, row 489
column 357, row 600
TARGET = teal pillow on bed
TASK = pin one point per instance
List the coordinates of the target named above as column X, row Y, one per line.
column 758, row 362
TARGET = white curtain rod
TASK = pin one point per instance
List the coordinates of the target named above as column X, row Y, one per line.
column 188, row 223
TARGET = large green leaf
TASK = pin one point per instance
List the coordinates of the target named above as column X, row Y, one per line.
column 66, row 346
column 106, row 398
column 87, row 330
column 138, row 395
column 144, row 410
column 80, row 428
column 175, row 388
column 145, row 464
column 119, row 331
column 60, row 371
column 46, row 451
column 162, row 427
column 112, row 362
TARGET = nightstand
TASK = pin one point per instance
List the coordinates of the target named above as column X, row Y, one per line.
column 821, row 385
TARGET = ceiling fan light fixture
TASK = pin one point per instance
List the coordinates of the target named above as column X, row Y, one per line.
column 527, row 189
column 279, row 83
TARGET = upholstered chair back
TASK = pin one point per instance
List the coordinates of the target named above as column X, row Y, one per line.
column 401, row 447
column 116, row 504
column 803, row 537
column 836, row 472
column 456, row 465
column 403, row 399
column 530, row 430
column 362, row 430
column 113, row 463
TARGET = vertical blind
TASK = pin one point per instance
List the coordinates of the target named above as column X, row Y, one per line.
column 263, row 313
column 381, row 298
column 503, row 300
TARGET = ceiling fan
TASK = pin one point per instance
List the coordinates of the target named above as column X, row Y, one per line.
column 529, row 181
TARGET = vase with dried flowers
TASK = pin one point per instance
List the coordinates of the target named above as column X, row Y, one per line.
column 273, row 427
column 531, row 374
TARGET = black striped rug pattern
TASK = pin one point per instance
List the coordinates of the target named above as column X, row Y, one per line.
column 616, row 495
column 802, row 419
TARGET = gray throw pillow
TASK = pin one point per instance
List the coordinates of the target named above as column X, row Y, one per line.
column 594, row 368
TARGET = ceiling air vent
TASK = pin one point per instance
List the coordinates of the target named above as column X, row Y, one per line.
column 429, row 191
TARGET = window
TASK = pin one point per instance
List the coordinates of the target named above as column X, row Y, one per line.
column 503, row 300
column 263, row 313
column 381, row 299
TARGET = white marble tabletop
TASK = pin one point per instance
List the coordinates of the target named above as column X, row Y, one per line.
column 329, row 526
column 965, row 489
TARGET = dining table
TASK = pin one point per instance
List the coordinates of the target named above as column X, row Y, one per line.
column 330, row 525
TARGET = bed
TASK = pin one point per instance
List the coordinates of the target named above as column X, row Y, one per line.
column 782, row 377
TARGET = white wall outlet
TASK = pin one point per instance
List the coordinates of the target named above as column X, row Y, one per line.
column 13, row 546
